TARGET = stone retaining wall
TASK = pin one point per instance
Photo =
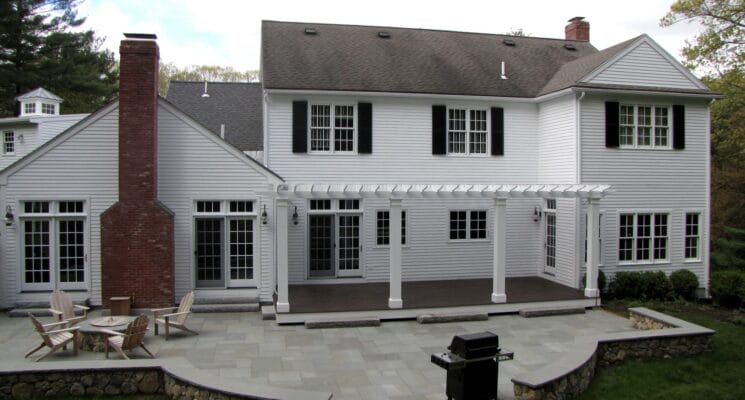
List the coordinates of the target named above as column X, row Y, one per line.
column 570, row 376
column 81, row 383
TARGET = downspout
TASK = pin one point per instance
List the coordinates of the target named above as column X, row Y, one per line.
column 707, row 254
column 578, row 179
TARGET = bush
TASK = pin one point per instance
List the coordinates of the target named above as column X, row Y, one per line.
column 728, row 288
column 646, row 285
column 684, row 284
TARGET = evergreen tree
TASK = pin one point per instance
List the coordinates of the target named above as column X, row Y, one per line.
column 37, row 48
column 729, row 249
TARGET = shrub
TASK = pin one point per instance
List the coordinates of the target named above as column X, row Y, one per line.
column 646, row 285
column 684, row 283
column 728, row 288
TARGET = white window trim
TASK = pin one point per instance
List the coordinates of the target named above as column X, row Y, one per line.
column 700, row 236
column 468, row 238
column 652, row 261
column 468, row 131
column 332, row 126
column 54, row 216
column 14, row 141
column 226, row 215
column 375, row 228
column 652, row 145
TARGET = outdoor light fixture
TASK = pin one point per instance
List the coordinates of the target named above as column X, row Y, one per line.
column 264, row 216
column 294, row 216
column 8, row 215
column 536, row 213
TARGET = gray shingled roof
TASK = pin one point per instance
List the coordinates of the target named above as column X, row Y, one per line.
column 355, row 58
column 237, row 105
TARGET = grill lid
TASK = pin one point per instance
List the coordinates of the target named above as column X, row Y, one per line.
column 475, row 345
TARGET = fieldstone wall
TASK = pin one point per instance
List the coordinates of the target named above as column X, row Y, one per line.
column 80, row 383
column 179, row 390
column 679, row 339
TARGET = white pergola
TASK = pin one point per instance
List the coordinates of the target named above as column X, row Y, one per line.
column 396, row 193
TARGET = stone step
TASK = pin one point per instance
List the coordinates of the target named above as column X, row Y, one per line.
column 547, row 311
column 341, row 323
column 225, row 308
column 24, row 312
column 268, row 312
column 452, row 317
column 225, row 299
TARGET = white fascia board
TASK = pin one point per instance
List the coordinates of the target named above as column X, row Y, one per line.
column 442, row 97
column 245, row 158
column 644, row 38
column 646, row 92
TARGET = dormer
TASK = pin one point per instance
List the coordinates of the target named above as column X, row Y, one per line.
column 39, row 102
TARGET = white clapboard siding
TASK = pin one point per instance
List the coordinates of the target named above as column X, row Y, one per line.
column 402, row 147
column 644, row 66
column 83, row 167
column 557, row 140
column 192, row 166
column 49, row 127
column 670, row 181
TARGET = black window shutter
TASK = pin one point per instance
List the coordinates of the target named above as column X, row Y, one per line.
column 364, row 118
column 611, row 124
column 299, row 126
column 679, row 127
column 497, row 131
column 439, row 131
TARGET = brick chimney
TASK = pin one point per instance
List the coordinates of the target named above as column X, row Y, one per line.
column 577, row 29
column 137, row 234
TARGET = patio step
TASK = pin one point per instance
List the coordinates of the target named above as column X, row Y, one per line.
column 201, row 299
column 341, row 323
column 268, row 312
column 225, row 307
column 452, row 317
column 23, row 312
column 547, row 311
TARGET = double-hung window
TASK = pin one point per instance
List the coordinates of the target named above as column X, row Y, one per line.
column 9, row 142
column 644, row 126
column 332, row 128
column 47, row 108
column 54, row 246
column 467, row 131
column 693, row 237
column 468, row 224
column 29, row 108
column 643, row 238
column 382, row 227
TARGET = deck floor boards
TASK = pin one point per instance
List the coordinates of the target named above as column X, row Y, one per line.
column 423, row 294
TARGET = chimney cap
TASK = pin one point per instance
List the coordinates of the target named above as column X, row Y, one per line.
column 146, row 36
column 576, row 19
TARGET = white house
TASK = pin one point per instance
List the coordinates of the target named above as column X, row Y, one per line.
column 402, row 170
column 39, row 121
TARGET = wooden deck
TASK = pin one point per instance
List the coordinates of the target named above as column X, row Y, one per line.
column 424, row 295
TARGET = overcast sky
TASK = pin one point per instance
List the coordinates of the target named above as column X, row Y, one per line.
column 227, row 33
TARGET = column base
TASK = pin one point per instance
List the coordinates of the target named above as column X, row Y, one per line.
column 282, row 307
column 395, row 303
column 498, row 298
column 592, row 293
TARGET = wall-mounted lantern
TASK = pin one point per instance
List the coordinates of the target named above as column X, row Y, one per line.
column 8, row 215
column 537, row 213
column 294, row 216
column 264, row 216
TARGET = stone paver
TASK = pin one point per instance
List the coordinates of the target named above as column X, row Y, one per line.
column 390, row 361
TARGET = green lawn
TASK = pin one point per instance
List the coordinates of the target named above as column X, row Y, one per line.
column 713, row 376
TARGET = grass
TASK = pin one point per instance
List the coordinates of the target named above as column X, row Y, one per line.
column 713, row 376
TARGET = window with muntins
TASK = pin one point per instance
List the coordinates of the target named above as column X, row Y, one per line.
column 643, row 238
column 467, row 131
column 382, row 227
column 9, row 142
column 332, row 128
column 692, row 237
column 47, row 108
column 468, row 225
column 29, row 108
column 644, row 126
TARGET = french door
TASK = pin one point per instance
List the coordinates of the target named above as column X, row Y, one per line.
column 550, row 237
column 54, row 254
column 334, row 245
column 224, row 252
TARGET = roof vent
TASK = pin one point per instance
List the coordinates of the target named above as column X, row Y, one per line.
column 570, row 46
column 205, row 94
column 384, row 35
column 311, row 31
column 509, row 42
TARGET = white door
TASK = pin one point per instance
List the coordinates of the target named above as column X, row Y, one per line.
column 348, row 248
column 241, row 250
column 549, row 265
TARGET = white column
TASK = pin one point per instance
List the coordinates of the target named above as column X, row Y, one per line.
column 394, row 244
column 499, row 261
column 283, row 301
column 593, row 256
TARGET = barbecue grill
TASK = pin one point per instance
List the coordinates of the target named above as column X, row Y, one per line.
column 472, row 366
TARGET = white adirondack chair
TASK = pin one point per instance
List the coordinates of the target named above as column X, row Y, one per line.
column 130, row 339
column 61, row 306
column 175, row 319
column 54, row 338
